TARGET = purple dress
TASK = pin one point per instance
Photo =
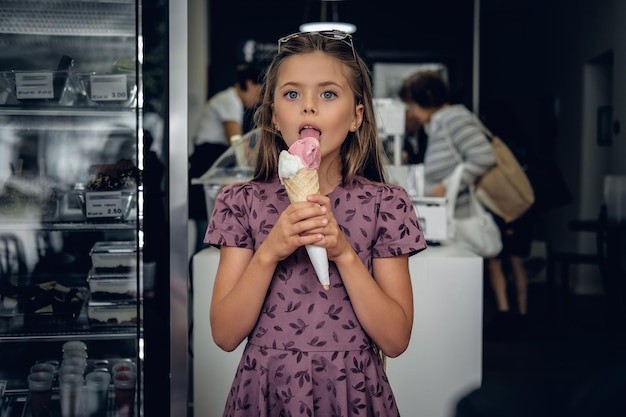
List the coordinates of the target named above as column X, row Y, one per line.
column 308, row 354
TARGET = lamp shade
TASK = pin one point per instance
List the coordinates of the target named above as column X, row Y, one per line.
column 326, row 15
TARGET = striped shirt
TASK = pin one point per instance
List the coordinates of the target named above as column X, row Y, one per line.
column 464, row 131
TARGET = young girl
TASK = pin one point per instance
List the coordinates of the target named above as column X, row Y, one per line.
column 312, row 352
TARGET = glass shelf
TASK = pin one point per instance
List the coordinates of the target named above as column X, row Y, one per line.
column 111, row 18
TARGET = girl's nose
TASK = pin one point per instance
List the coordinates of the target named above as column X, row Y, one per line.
column 309, row 107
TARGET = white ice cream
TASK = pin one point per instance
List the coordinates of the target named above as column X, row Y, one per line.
column 288, row 165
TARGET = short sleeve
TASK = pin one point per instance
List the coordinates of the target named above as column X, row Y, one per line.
column 229, row 222
column 398, row 230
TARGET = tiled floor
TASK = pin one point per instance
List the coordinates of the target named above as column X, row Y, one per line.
column 573, row 367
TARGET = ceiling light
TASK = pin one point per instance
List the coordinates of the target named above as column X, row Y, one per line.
column 320, row 26
column 325, row 15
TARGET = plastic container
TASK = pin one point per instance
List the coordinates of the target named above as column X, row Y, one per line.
column 97, row 393
column 112, row 286
column 124, row 366
column 74, row 345
column 43, row 367
column 234, row 165
column 37, row 88
column 40, row 393
column 118, row 256
column 124, row 384
column 112, row 313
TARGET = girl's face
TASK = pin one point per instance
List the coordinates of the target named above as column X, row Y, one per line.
column 312, row 93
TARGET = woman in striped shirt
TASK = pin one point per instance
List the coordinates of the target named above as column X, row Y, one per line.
column 454, row 134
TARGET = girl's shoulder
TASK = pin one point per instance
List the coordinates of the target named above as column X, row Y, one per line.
column 235, row 189
column 250, row 189
column 383, row 191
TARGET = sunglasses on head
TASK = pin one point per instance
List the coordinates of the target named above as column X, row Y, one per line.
column 328, row 34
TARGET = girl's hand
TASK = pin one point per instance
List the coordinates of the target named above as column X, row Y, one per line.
column 300, row 224
column 333, row 238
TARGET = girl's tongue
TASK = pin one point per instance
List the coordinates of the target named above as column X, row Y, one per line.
column 310, row 132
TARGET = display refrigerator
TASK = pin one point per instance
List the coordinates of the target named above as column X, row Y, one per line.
column 93, row 275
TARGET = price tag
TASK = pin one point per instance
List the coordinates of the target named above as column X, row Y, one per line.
column 103, row 204
column 30, row 85
column 108, row 87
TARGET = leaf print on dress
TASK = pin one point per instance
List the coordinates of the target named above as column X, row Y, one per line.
column 386, row 216
column 316, row 342
column 302, row 377
column 366, row 198
column 300, row 326
column 333, row 312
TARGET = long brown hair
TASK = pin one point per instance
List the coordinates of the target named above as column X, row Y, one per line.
column 361, row 150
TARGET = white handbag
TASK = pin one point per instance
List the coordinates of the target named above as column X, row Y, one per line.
column 479, row 232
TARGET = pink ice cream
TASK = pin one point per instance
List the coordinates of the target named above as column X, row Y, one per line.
column 308, row 149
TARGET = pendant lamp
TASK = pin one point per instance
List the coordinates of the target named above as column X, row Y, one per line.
column 326, row 15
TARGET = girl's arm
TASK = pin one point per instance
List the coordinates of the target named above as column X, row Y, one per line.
column 243, row 276
column 382, row 302
column 238, row 294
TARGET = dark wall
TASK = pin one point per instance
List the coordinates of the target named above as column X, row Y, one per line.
column 517, row 46
column 389, row 31
column 517, row 51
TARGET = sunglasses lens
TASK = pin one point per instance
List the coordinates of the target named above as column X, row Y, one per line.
column 329, row 34
column 335, row 34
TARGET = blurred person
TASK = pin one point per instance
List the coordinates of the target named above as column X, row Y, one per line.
column 511, row 317
column 415, row 139
column 414, row 146
column 223, row 118
column 427, row 96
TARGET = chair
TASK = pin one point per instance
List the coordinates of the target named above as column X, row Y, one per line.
column 565, row 259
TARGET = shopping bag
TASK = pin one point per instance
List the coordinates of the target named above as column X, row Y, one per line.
column 479, row 232
column 505, row 188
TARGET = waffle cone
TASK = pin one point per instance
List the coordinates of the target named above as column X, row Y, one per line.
column 305, row 182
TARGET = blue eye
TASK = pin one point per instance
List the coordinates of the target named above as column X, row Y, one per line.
column 328, row 95
column 292, row 95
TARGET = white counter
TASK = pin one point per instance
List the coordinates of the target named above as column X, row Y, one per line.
column 442, row 363
column 444, row 358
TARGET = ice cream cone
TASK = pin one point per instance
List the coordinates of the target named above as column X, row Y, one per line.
column 297, row 169
column 305, row 182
